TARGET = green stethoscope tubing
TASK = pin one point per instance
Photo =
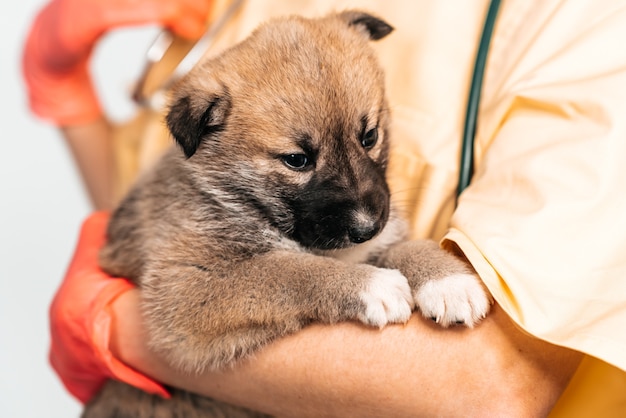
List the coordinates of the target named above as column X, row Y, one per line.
column 466, row 166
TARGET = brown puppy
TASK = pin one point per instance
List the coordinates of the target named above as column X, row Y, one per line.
column 277, row 211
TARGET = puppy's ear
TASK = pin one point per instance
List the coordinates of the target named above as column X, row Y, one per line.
column 193, row 117
column 372, row 26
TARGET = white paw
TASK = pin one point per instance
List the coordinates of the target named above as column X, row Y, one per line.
column 387, row 299
column 456, row 299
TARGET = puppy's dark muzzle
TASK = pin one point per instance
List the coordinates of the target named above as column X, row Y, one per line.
column 370, row 217
column 336, row 217
column 364, row 232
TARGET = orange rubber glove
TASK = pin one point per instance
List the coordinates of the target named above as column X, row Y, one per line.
column 80, row 321
column 58, row 48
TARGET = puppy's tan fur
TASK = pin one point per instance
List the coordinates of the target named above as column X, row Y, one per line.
column 276, row 213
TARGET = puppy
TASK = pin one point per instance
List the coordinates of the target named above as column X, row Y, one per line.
column 274, row 210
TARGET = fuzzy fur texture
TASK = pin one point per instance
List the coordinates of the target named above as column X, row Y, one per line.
column 276, row 213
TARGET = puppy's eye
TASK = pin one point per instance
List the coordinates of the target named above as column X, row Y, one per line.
column 369, row 138
column 295, row 161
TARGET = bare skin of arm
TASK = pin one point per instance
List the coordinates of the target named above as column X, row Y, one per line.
column 91, row 147
column 345, row 370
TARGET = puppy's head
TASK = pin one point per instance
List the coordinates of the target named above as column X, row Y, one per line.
column 293, row 122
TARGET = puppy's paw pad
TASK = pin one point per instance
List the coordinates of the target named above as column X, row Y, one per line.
column 458, row 299
column 386, row 298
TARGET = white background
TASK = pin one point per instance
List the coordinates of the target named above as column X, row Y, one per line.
column 42, row 204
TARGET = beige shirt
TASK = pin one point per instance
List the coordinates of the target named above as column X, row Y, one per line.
column 544, row 219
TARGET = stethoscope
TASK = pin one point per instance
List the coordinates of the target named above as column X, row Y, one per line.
column 466, row 165
column 151, row 94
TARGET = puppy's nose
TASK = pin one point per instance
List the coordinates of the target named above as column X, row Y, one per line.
column 363, row 232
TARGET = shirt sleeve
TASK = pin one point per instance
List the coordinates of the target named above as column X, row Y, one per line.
column 544, row 220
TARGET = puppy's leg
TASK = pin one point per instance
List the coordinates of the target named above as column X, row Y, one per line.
column 119, row 400
column 209, row 315
column 445, row 288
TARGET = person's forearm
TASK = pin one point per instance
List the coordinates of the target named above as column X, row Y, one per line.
column 349, row 370
column 92, row 148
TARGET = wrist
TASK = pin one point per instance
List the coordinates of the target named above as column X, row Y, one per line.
column 127, row 346
column 126, row 335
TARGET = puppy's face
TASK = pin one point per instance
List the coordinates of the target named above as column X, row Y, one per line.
column 293, row 123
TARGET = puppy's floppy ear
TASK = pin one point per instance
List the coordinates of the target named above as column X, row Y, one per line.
column 374, row 27
column 196, row 115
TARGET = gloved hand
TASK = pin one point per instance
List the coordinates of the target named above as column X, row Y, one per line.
column 60, row 41
column 80, row 321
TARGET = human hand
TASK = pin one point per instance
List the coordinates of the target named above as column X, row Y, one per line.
column 57, row 50
column 81, row 320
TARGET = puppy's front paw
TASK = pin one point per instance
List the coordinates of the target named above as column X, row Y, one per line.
column 456, row 299
column 387, row 299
